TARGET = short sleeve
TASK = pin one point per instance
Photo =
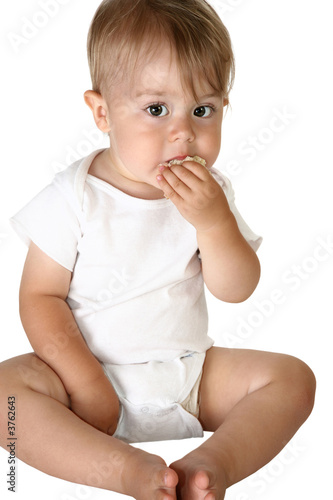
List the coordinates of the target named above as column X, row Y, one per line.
column 252, row 238
column 49, row 220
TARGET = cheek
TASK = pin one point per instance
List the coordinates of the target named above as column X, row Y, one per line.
column 133, row 148
column 212, row 144
column 122, row 135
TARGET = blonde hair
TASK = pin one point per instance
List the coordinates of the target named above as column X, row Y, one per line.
column 123, row 30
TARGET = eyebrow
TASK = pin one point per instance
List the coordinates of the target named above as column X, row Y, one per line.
column 209, row 96
column 159, row 93
column 149, row 92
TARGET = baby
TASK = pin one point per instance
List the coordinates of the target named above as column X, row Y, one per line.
column 112, row 300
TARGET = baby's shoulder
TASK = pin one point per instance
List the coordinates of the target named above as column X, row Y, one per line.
column 71, row 181
column 67, row 177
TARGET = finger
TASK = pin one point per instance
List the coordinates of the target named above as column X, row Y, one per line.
column 176, row 183
column 209, row 186
column 188, row 178
column 168, row 191
column 197, row 169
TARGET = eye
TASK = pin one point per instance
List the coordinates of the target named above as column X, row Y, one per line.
column 203, row 111
column 157, row 110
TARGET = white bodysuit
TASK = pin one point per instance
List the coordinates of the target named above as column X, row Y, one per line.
column 137, row 292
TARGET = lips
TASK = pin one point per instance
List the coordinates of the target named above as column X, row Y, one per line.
column 180, row 158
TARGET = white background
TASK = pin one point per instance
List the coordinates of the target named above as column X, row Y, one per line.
column 283, row 189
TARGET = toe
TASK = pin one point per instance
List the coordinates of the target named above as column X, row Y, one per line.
column 168, row 490
column 202, row 480
column 211, row 496
column 170, row 478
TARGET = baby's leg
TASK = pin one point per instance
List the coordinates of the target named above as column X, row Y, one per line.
column 45, row 426
column 254, row 402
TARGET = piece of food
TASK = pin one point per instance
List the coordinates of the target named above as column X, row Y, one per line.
column 195, row 158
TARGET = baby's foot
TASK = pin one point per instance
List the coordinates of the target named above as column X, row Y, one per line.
column 147, row 477
column 201, row 477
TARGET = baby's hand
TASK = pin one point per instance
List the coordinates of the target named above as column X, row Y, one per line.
column 196, row 194
column 97, row 404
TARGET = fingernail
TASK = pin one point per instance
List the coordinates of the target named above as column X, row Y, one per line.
column 161, row 168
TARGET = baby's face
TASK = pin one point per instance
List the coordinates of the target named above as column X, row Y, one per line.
column 152, row 120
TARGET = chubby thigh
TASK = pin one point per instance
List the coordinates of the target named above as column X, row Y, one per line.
column 229, row 375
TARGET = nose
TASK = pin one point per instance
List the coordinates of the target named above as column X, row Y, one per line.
column 181, row 130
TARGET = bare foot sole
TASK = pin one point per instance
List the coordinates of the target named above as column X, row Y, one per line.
column 147, row 477
column 200, row 477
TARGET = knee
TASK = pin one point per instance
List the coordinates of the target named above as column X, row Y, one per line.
column 21, row 371
column 300, row 385
column 29, row 373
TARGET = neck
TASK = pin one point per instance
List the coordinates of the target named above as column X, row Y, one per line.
column 103, row 168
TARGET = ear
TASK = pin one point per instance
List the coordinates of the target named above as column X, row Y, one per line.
column 99, row 108
column 225, row 101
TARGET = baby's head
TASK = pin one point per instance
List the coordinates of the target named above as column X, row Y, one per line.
column 124, row 33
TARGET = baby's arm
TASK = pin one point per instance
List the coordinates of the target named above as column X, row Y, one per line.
column 230, row 267
column 56, row 339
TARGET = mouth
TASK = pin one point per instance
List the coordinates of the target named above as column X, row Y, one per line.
column 178, row 158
